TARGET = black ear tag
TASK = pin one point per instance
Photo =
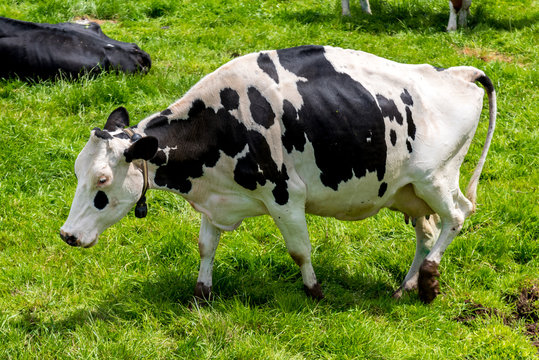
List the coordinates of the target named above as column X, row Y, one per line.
column 141, row 209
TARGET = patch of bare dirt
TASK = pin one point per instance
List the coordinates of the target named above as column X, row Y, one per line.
column 86, row 19
column 527, row 304
column 526, row 308
column 487, row 55
column 474, row 310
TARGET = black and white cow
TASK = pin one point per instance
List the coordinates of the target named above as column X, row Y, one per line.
column 40, row 51
column 457, row 8
column 311, row 129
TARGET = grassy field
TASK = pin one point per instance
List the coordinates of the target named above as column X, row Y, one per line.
column 130, row 296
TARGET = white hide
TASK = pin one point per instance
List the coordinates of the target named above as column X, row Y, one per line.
column 102, row 159
column 446, row 108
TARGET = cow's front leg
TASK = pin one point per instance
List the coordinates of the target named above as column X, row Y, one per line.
column 366, row 6
column 427, row 231
column 293, row 227
column 207, row 244
column 345, row 4
column 452, row 24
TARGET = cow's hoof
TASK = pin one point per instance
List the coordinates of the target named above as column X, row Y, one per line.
column 202, row 292
column 397, row 294
column 404, row 288
column 428, row 286
column 315, row 291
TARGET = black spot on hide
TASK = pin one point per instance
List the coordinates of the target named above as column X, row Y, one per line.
column 166, row 112
column 199, row 141
column 339, row 116
column 102, row 134
column 407, row 98
column 389, row 109
column 261, row 110
column 393, row 137
column 410, row 122
column 264, row 62
column 101, row 200
column 294, row 134
column 382, row 189
column 230, row 99
column 409, row 146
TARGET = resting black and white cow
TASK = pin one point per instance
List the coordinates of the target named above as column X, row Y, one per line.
column 311, row 129
column 457, row 8
column 40, row 51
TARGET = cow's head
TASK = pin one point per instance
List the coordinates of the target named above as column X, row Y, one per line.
column 109, row 180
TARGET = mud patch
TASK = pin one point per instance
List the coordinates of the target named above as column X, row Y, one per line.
column 428, row 286
column 532, row 331
column 474, row 310
column 527, row 308
column 526, row 305
column 488, row 55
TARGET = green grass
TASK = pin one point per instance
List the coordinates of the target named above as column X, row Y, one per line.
column 131, row 295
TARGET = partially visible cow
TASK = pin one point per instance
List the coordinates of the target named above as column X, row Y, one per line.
column 40, row 51
column 311, row 129
column 457, row 8
column 460, row 9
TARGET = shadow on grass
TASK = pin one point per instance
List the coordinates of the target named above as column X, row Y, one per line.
column 282, row 289
column 169, row 295
column 388, row 18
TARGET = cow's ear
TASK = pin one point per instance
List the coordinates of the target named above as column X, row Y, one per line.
column 144, row 148
column 118, row 119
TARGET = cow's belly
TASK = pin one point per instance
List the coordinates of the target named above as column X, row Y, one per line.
column 354, row 200
column 361, row 196
column 221, row 199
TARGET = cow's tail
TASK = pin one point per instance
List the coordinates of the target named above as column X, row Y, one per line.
column 471, row 190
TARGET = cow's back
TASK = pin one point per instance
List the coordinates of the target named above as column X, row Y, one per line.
column 351, row 127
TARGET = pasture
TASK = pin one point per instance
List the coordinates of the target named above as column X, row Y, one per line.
column 130, row 296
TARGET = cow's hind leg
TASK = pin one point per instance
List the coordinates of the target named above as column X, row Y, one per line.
column 207, row 245
column 345, row 4
column 427, row 230
column 366, row 6
column 452, row 24
column 446, row 199
column 293, row 226
column 464, row 13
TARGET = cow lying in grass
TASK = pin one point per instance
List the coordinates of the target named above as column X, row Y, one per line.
column 311, row 129
column 457, row 8
column 42, row 51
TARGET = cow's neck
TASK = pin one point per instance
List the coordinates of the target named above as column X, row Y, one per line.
column 188, row 135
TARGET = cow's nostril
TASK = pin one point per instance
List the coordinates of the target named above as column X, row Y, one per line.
column 69, row 239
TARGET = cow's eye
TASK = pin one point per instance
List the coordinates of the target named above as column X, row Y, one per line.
column 102, row 180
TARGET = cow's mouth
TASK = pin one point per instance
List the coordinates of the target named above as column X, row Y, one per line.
column 94, row 241
column 72, row 240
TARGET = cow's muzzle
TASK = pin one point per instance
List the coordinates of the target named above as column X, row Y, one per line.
column 69, row 239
